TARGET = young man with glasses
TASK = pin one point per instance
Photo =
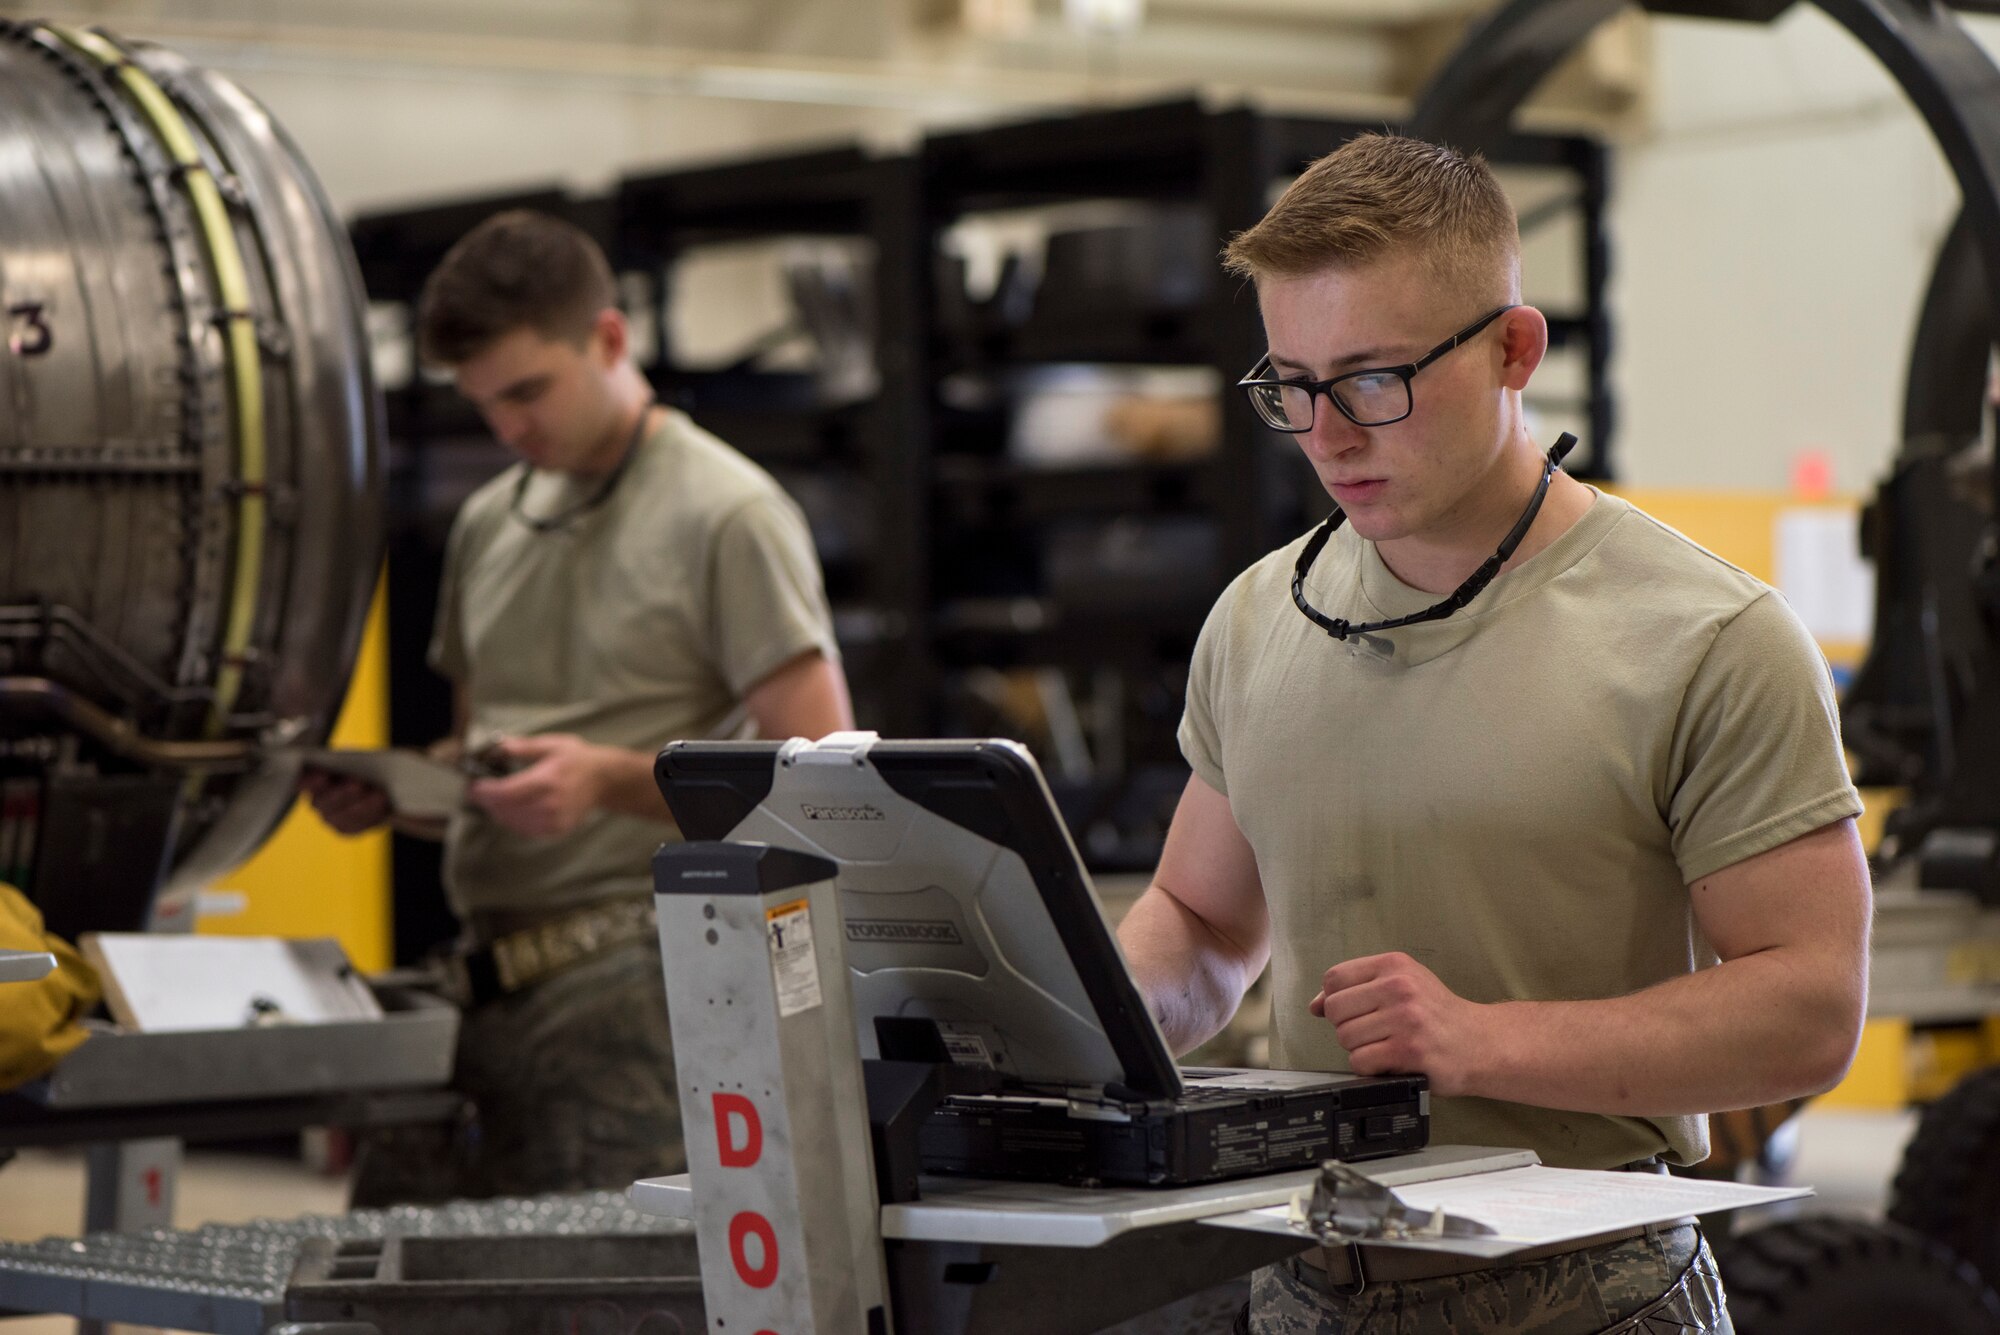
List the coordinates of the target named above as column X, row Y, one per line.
column 630, row 581
column 1511, row 785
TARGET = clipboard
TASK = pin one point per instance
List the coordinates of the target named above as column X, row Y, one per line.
column 1533, row 1206
column 157, row 982
column 417, row 785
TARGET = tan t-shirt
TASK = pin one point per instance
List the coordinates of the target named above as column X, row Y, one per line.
column 641, row 622
column 1519, row 795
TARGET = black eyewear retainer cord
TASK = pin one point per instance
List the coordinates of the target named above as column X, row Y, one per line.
column 1460, row 596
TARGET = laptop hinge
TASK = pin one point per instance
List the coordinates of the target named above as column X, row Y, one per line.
column 836, row 748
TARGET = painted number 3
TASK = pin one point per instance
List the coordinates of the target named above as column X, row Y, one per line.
column 28, row 333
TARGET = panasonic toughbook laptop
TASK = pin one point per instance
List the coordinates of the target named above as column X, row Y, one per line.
column 966, row 906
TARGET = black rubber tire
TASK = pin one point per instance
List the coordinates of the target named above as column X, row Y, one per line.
column 1848, row 1277
column 1949, row 1185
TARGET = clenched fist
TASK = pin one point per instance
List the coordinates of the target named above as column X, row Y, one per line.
column 1394, row 1016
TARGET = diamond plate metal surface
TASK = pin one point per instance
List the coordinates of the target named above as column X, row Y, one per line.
column 230, row 1278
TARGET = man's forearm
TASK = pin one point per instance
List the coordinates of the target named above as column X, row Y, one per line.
column 626, row 785
column 1754, row 1030
column 1191, row 977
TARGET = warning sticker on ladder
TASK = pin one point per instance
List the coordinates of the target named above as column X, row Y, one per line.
column 794, row 970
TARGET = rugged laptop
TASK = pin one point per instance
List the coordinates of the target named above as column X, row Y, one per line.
column 966, row 907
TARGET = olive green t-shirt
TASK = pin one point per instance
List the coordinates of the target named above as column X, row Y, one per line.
column 641, row 622
column 1517, row 796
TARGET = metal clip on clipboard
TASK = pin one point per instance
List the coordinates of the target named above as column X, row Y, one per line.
column 1348, row 1206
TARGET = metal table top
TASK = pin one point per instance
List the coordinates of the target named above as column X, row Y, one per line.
column 25, row 966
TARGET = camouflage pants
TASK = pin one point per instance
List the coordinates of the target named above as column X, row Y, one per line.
column 1663, row 1283
column 571, row 1086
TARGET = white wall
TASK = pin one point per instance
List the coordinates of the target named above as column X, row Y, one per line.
column 391, row 139
column 397, row 101
column 1773, row 237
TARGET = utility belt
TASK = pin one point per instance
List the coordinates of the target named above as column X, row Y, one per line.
column 1351, row 1268
column 490, row 964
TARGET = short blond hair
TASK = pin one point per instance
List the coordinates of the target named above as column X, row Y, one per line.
column 1382, row 194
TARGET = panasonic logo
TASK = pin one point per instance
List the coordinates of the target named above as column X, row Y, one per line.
column 704, row 875
column 863, row 812
column 903, row 931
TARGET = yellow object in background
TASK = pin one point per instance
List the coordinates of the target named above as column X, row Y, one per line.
column 1941, row 1057
column 40, row 1021
column 1742, row 528
column 306, row 880
column 1880, row 1076
column 1899, row 1064
column 1739, row 527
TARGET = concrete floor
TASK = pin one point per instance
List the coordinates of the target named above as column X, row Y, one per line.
column 1849, row 1157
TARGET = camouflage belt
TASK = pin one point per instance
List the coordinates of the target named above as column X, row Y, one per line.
column 520, row 959
column 1349, row 1270
column 1682, row 1308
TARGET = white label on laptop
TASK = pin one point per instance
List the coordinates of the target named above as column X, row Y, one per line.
column 794, row 969
column 966, row 1047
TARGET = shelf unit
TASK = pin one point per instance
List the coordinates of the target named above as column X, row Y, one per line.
column 862, row 456
column 968, row 559
column 1252, row 494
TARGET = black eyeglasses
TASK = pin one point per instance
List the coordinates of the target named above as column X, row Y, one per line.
column 1376, row 396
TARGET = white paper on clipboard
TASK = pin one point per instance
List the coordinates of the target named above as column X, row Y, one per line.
column 1541, row 1206
column 158, row 982
column 416, row 784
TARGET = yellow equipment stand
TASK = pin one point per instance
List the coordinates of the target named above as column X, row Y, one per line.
column 306, row 880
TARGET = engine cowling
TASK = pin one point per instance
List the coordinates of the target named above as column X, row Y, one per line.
column 190, row 470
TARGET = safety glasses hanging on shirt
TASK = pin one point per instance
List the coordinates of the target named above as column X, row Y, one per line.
column 562, row 519
column 1380, row 396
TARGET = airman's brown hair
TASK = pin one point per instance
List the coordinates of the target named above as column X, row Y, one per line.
column 517, row 270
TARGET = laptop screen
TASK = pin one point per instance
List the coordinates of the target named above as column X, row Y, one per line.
column 964, row 901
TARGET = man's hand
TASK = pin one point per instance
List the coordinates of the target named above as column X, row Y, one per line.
column 563, row 781
column 348, row 806
column 1201, row 933
column 1395, row 1017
